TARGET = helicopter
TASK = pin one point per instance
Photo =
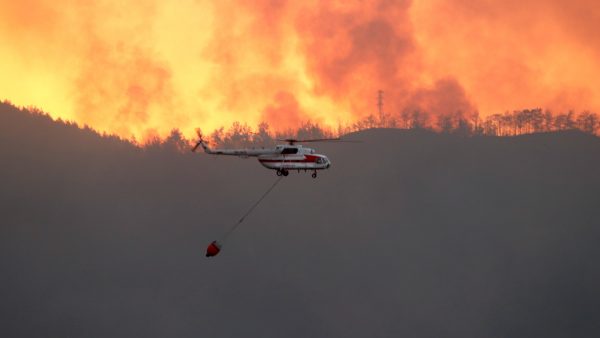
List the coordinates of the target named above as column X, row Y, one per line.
column 282, row 158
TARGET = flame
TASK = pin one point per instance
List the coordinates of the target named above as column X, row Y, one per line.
column 143, row 68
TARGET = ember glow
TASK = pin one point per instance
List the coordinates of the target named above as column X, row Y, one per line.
column 143, row 68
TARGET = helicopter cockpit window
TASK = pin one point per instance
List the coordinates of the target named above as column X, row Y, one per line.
column 320, row 160
column 289, row 151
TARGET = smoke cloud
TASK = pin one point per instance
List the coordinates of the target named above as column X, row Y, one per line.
column 158, row 65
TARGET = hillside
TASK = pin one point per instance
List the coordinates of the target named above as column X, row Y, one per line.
column 410, row 233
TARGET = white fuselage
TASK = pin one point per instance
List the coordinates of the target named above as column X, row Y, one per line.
column 281, row 158
column 294, row 157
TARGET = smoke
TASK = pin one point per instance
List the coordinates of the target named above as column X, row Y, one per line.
column 445, row 236
column 284, row 112
column 357, row 49
column 445, row 97
column 514, row 54
column 136, row 68
column 144, row 88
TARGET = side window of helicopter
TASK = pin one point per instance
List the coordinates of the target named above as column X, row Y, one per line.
column 286, row 151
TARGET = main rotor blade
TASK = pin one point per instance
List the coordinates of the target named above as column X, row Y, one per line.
column 308, row 140
column 291, row 140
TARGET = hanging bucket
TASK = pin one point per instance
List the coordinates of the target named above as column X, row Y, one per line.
column 213, row 249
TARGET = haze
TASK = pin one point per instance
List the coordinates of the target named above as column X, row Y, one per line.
column 427, row 236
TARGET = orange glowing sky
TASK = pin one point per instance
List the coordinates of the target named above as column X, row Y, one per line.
column 140, row 67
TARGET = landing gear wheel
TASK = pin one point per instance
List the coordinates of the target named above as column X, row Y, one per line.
column 279, row 173
column 314, row 175
column 285, row 172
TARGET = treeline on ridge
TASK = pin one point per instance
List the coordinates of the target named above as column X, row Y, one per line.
column 519, row 122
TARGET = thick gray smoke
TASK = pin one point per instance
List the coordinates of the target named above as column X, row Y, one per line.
column 408, row 234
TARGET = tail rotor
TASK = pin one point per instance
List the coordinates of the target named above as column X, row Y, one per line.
column 199, row 142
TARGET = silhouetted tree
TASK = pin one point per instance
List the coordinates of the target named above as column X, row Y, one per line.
column 217, row 137
column 405, row 119
column 445, row 123
column 476, row 123
column 537, row 120
column 419, row 119
column 238, row 135
column 588, row 122
column 571, row 123
column 176, row 142
column 548, row 121
column 560, row 122
column 490, row 127
column 463, row 127
column 494, row 125
column 263, row 137
column 309, row 130
column 366, row 123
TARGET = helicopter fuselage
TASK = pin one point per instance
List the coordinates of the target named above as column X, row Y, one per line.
column 282, row 158
column 294, row 157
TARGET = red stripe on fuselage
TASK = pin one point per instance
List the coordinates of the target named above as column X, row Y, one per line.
column 306, row 159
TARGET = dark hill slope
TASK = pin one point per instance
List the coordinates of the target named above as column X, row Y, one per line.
column 408, row 234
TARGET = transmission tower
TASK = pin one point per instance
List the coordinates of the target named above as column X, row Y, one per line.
column 380, row 106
